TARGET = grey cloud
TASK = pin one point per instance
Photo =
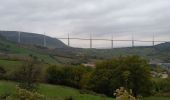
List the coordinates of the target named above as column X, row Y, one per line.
column 100, row 17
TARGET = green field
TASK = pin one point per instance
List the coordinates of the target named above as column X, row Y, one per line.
column 53, row 92
column 157, row 98
column 61, row 92
column 10, row 65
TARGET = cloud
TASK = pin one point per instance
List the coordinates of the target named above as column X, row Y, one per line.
column 102, row 18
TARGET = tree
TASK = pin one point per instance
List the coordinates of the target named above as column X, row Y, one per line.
column 28, row 75
column 131, row 72
column 54, row 75
column 73, row 76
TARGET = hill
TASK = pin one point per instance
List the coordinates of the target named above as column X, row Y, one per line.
column 65, row 55
column 33, row 39
column 11, row 51
column 158, row 53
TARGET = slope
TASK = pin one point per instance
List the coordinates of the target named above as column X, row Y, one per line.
column 160, row 53
column 33, row 39
column 13, row 51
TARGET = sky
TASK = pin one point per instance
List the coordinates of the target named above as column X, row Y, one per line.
column 80, row 18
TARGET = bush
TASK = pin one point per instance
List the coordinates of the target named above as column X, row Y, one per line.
column 70, row 76
column 130, row 72
column 161, row 87
column 28, row 75
column 23, row 94
column 123, row 94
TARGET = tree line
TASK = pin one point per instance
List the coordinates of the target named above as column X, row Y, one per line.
column 131, row 72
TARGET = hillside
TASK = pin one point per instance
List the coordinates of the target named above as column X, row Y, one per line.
column 158, row 53
column 13, row 56
column 33, row 39
column 12, row 51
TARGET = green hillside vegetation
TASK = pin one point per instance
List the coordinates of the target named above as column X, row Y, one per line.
column 52, row 92
column 10, row 65
column 13, row 51
column 33, row 39
column 29, row 65
column 75, row 56
column 10, row 50
column 61, row 92
column 158, row 53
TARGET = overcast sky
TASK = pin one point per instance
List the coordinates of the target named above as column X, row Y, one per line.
column 102, row 18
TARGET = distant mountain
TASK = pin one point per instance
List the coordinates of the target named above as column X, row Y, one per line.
column 33, row 39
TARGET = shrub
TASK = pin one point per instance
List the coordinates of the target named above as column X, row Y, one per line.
column 123, row 94
column 23, row 94
column 131, row 72
column 28, row 75
column 70, row 76
column 161, row 87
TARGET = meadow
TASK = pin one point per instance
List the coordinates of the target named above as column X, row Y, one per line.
column 61, row 92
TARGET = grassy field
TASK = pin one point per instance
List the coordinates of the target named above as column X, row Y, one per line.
column 61, row 92
column 157, row 98
column 53, row 92
column 10, row 65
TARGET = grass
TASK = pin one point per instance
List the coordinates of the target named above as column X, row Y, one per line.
column 63, row 92
column 10, row 65
column 55, row 91
column 13, row 48
column 157, row 98
column 6, row 87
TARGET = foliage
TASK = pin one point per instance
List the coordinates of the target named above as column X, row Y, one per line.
column 131, row 72
column 123, row 94
column 28, row 75
column 70, row 76
column 23, row 94
column 161, row 87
